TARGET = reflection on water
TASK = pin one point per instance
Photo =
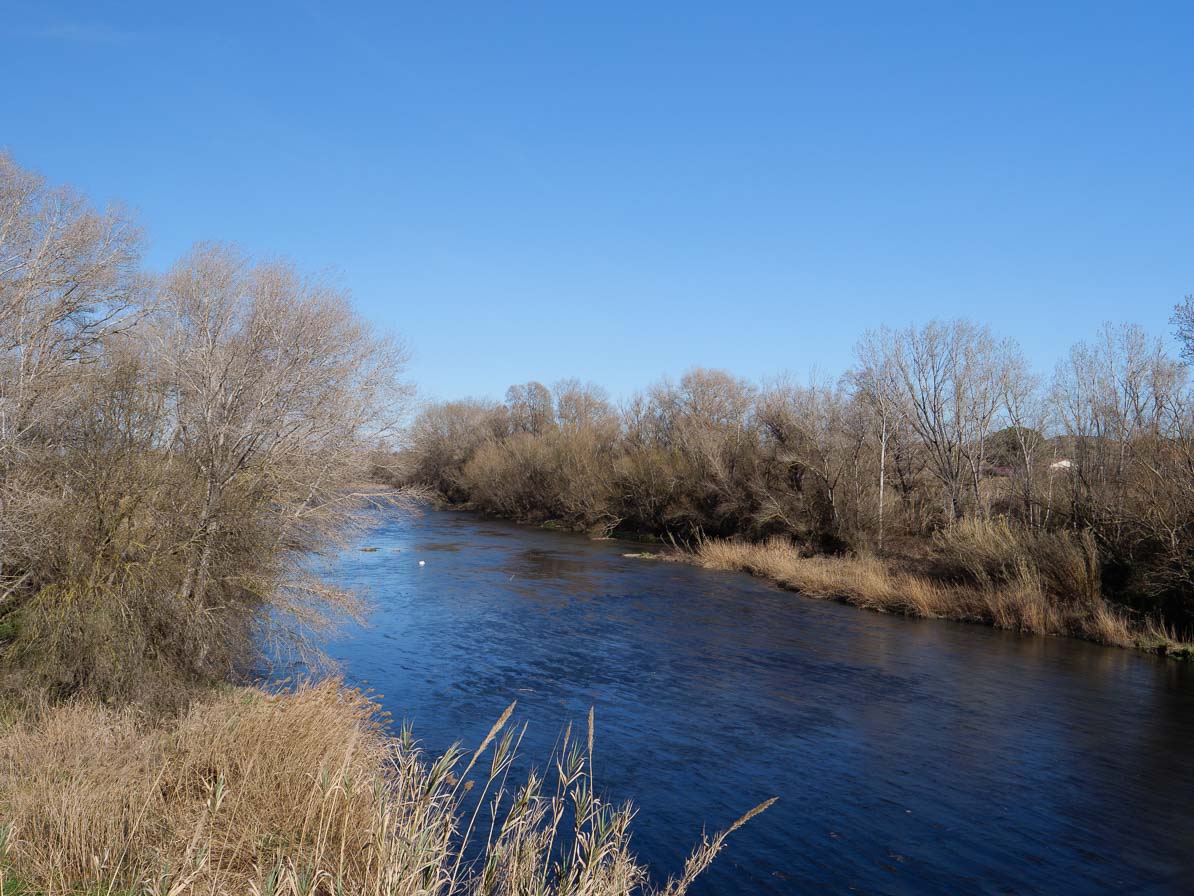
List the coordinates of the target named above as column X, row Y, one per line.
column 909, row 756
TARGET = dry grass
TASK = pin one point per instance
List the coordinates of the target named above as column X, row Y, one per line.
column 298, row 794
column 995, row 553
column 984, row 573
column 862, row 580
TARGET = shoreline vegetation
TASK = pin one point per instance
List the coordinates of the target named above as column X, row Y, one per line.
column 176, row 453
column 939, row 476
column 1020, row 603
column 994, row 584
column 302, row 792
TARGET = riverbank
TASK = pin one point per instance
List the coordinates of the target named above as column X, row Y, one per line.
column 1021, row 602
column 985, row 573
column 298, row 792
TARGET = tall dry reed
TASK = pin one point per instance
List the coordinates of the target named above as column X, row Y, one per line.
column 984, row 572
column 302, row 794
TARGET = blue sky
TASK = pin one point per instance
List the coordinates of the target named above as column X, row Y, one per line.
column 621, row 191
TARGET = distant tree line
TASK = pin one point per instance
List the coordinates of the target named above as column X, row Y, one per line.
column 932, row 426
column 171, row 448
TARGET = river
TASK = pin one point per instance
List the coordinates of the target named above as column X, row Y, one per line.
column 908, row 756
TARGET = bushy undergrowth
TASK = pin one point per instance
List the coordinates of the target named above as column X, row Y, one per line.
column 302, row 792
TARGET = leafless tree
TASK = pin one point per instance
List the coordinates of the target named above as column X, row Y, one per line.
column 876, row 384
column 444, row 437
column 951, row 378
column 1111, row 395
column 68, row 278
column 1028, row 416
column 816, row 428
column 581, row 405
column 275, row 386
column 531, row 408
column 1183, row 323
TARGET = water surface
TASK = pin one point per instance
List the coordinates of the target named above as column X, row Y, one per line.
column 908, row 756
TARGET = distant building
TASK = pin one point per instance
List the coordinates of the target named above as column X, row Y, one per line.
column 1061, row 464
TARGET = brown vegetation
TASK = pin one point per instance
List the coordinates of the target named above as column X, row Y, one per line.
column 301, row 794
column 1059, row 507
column 988, row 573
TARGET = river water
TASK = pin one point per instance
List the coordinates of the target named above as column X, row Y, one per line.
column 908, row 756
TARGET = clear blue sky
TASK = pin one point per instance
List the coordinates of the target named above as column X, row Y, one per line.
column 621, row 191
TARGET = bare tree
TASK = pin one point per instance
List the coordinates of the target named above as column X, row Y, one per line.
column 816, row 427
column 1183, row 323
column 444, row 436
column 276, row 390
column 1028, row 417
column 581, row 405
column 531, row 407
column 875, row 383
column 68, row 278
column 1110, row 394
column 951, row 376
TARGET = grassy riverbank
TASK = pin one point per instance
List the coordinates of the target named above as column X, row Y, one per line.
column 987, row 573
column 295, row 793
column 981, row 573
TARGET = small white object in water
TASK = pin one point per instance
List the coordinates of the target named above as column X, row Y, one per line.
column 422, row 563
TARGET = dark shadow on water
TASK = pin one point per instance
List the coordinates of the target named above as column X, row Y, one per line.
column 535, row 563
